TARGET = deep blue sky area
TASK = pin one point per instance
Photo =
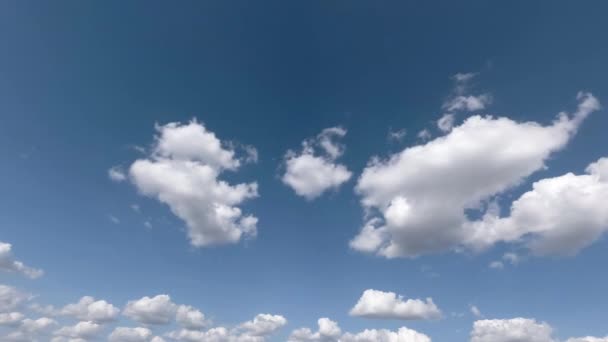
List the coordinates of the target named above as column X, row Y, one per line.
column 83, row 82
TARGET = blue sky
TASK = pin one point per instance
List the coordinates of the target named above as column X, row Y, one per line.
column 87, row 87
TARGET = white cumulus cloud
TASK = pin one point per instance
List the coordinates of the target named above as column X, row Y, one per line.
column 314, row 170
column 151, row 310
column 183, row 171
column 9, row 264
column 389, row 305
column 81, row 330
column 329, row 331
column 190, row 318
column 256, row 330
column 125, row 334
column 89, row 309
column 559, row 216
column 511, row 330
column 416, row 199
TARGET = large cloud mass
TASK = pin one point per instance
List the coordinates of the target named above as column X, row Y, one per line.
column 416, row 200
column 183, row 172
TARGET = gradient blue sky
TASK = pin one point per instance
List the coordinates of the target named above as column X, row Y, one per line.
column 81, row 83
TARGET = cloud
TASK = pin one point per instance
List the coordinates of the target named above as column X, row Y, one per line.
column 9, row 264
column 11, row 318
column 190, row 318
column 446, row 122
column 256, row 330
column 559, row 216
column 588, row 339
column 125, row 334
column 396, row 135
column 156, row 310
column 424, row 134
column 416, row 200
column 11, row 298
column 475, row 311
column 30, row 329
column 314, row 170
column 470, row 103
column 460, row 101
column 329, row 331
column 510, row 258
column 511, row 330
column 183, row 171
column 117, row 174
column 88, row 309
column 388, row 305
column 81, row 330
column 263, row 324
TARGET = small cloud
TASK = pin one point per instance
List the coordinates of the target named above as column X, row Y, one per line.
column 425, row 134
column 135, row 207
column 507, row 258
column 117, row 174
column 475, row 311
column 147, row 224
column 446, row 122
column 497, row 265
column 396, row 135
column 113, row 219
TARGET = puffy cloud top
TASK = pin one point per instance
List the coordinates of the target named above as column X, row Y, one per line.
column 183, row 172
column 420, row 195
column 314, row 170
column 378, row 304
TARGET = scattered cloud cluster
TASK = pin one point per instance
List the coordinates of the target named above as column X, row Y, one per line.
column 9, row 264
column 417, row 199
column 153, row 313
column 183, row 171
column 329, row 331
column 314, row 170
column 388, row 305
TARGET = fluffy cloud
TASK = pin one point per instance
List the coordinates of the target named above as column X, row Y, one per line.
column 11, row 318
column 124, row 334
column 588, row 339
column 263, row 324
column 183, row 172
column 373, row 335
column 30, row 329
column 190, row 318
column 511, row 330
column 88, row 309
column 416, row 199
column 10, row 298
column 156, row 310
column 314, row 170
column 256, row 330
column 559, row 216
column 329, row 331
column 388, row 305
column 81, row 330
column 9, row 264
